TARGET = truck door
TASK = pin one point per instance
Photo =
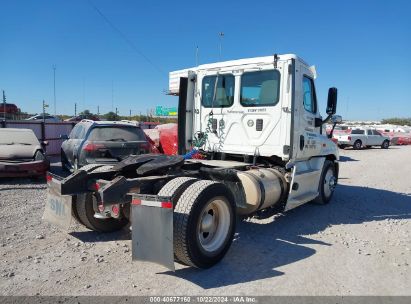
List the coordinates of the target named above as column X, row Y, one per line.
column 306, row 135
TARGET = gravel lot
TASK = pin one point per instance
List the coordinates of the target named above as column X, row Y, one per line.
column 359, row 244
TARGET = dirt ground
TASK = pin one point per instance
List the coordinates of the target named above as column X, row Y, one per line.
column 359, row 244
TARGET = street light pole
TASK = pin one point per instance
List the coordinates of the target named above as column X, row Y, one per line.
column 54, row 85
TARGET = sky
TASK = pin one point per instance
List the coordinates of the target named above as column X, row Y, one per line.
column 122, row 59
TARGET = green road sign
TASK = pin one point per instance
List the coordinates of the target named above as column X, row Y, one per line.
column 163, row 111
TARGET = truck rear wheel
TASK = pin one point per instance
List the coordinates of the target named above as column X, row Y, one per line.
column 204, row 224
column 328, row 181
column 175, row 188
column 85, row 211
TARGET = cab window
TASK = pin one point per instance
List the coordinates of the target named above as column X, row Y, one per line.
column 369, row 132
column 309, row 97
column 260, row 89
column 224, row 95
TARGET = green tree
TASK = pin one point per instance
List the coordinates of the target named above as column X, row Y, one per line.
column 86, row 112
column 111, row 116
column 397, row 121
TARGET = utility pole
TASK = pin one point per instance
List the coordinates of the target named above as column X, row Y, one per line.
column 4, row 105
column 130, row 114
column 98, row 110
column 112, row 96
column 44, row 110
column 54, row 85
column 116, row 113
column 75, row 109
column 221, row 34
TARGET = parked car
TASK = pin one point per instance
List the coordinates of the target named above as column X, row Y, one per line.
column 359, row 138
column 21, row 154
column 47, row 118
column 83, row 116
column 107, row 142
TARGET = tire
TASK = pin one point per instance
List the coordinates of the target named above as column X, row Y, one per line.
column 205, row 203
column 385, row 144
column 175, row 188
column 341, row 146
column 74, row 212
column 64, row 161
column 325, row 194
column 357, row 145
column 85, row 211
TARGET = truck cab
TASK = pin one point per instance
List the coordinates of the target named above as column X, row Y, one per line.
column 259, row 107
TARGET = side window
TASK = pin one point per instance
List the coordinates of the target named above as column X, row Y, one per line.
column 369, row 132
column 309, row 98
column 260, row 88
column 375, row 132
column 224, row 95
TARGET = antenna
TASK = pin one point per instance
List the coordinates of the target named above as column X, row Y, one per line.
column 221, row 34
column 197, row 55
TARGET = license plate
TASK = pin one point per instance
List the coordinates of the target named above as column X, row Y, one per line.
column 58, row 209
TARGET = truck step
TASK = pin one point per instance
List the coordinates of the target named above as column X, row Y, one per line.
column 299, row 200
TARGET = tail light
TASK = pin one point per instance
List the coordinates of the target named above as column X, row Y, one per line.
column 49, row 178
column 90, row 147
column 349, row 138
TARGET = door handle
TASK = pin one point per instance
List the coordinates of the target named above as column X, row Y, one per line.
column 302, row 141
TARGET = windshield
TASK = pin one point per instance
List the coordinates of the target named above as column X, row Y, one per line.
column 224, row 95
column 117, row 133
column 13, row 136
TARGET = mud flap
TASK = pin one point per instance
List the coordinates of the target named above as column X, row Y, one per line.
column 152, row 230
column 58, row 208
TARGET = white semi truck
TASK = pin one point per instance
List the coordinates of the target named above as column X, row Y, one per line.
column 250, row 143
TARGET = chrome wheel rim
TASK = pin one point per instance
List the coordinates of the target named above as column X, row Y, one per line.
column 214, row 224
column 329, row 183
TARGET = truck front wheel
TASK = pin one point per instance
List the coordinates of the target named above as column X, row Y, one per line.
column 328, row 181
column 204, row 224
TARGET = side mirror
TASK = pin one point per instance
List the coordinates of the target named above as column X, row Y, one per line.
column 335, row 119
column 332, row 101
column 64, row 136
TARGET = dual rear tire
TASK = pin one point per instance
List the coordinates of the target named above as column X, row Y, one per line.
column 204, row 221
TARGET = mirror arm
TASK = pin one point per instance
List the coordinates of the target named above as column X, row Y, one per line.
column 332, row 131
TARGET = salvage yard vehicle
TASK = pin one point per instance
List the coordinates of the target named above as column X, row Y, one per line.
column 255, row 131
column 101, row 142
column 363, row 137
column 21, row 154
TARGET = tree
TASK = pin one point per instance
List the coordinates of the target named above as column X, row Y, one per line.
column 86, row 113
column 397, row 121
column 111, row 116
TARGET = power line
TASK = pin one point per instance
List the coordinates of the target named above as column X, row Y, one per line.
column 126, row 39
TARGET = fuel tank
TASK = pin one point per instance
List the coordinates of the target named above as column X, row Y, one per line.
column 263, row 187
